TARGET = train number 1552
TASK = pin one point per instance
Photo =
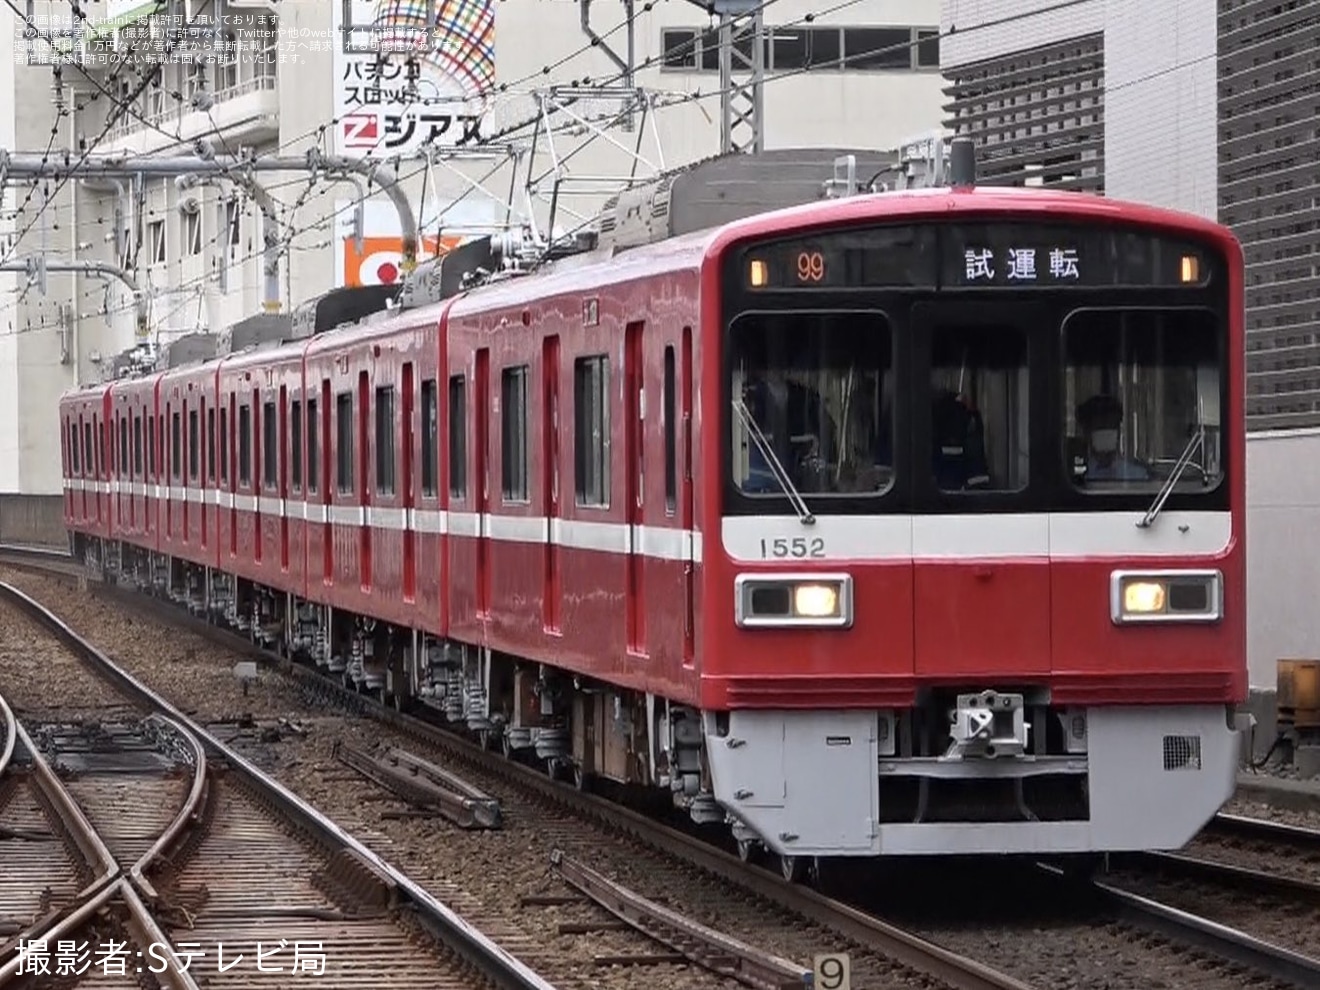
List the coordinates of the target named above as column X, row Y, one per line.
column 795, row 548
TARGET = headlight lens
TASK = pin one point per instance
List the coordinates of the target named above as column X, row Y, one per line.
column 815, row 601
column 1143, row 597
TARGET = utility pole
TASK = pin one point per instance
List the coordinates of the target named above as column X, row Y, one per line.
column 742, row 72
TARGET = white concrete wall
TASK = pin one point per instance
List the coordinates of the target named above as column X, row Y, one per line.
column 988, row 28
column 1161, row 116
column 1283, row 550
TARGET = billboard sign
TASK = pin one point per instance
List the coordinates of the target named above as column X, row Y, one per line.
column 410, row 73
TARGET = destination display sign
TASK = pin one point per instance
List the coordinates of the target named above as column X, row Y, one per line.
column 976, row 255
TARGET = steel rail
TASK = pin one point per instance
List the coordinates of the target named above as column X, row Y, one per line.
column 1221, row 940
column 1200, row 868
column 187, row 817
column 1264, row 830
column 495, row 962
column 897, row 944
column 708, row 948
column 96, row 856
column 11, row 735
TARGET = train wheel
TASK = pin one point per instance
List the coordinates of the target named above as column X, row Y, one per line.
column 793, row 868
column 506, row 747
column 749, row 850
column 581, row 781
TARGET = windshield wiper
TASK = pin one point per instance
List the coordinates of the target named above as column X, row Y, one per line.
column 1184, row 459
column 776, row 468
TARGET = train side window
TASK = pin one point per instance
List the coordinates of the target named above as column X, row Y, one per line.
column 75, row 462
column 458, row 437
column 194, row 445
column 99, row 446
column 513, row 413
column 88, row 460
column 270, row 445
column 222, row 441
column 160, row 455
column 671, row 432
column 151, row 447
column 295, row 444
column 137, row 446
column 211, row 444
column 385, row 440
column 313, row 446
column 176, row 445
column 244, row 444
column 344, row 442
column 591, row 390
column 430, row 437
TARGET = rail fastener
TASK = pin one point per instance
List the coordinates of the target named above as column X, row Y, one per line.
column 425, row 785
column 703, row 946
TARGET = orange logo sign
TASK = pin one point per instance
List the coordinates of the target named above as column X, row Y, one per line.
column 380, row 262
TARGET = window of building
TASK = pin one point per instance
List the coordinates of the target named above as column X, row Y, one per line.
column 270, row 446
column 234, row 221
column 430, row 436
column 344, row 442
column 513, row 414
column 928, row 48
column 296, row 445
column 794, row 47
column 192, row 232
column 385, row 441
column 194, row 444
column 457, row 437
column 670, row 414
column 227, row 62
column 678, row 49
column 156, row 241
column 591, row 384
column 313, row 446
column 244, row 444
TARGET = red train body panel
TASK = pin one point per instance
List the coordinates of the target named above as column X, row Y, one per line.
column 759, row 514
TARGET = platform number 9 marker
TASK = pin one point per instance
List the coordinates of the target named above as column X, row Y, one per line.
column 832, row 972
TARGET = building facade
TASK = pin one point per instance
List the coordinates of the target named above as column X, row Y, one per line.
column 264, row 79
column 1212, row 108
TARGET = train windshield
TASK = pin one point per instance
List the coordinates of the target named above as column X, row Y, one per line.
column 1141, row 393
column 812, row 396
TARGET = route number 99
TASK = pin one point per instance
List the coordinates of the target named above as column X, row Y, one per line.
column 810, row 266
column 832, row 971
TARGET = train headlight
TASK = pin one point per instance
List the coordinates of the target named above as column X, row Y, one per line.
column 786, row 600
column 1143, row 597
column 816, row 601
column 1166, row 596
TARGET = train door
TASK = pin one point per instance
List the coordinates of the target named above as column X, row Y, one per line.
column 282, row 446
column 687, row 509
column 550, row 599
column 481, row 407
column 634, row 487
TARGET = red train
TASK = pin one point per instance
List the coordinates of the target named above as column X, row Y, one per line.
column 905, row 523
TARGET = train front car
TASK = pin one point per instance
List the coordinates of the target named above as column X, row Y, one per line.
column 974, row 582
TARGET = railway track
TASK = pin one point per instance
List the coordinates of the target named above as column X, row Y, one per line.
column 157, row 851
column 1117, row 926
column 744, row 911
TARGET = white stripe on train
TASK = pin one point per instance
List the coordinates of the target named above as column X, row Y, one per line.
column 780, row 539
